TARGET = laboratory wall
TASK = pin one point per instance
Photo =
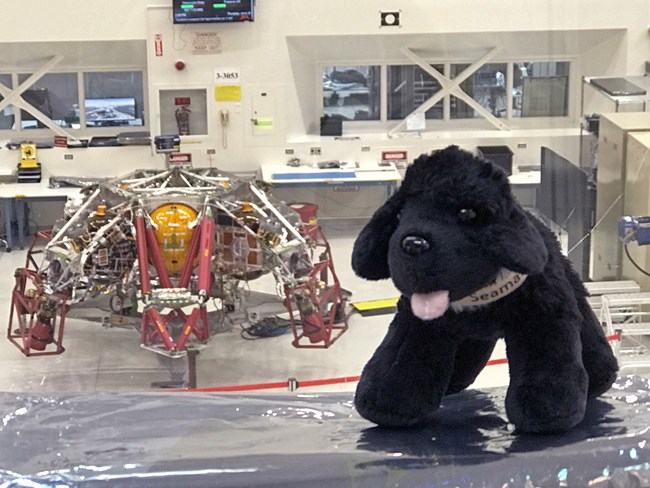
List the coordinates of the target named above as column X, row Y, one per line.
column 279, row 59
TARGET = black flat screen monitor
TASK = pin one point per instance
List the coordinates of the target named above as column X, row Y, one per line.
column 206, row 11
column 102, row 112
column 618, row 87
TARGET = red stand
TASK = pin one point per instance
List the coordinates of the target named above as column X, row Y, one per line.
column 33, row 335
column 39, row 236
column 318, row 299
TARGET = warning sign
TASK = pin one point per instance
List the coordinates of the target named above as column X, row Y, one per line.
column 206, row 43
column 183, row 160
column 60, row 141
column 398, row 158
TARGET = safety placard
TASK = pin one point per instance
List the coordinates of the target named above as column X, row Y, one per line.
column 157, row 44
column 227, row 93
column 398, row 158
column 60, row 141
column 180, row 158
column 206, row 43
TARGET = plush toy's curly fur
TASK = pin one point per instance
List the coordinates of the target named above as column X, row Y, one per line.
column 448, row 231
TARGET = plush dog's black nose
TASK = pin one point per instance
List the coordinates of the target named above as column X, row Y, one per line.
column 415, row 245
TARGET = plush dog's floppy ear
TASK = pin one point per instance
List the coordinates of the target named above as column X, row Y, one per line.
column 370, row 252
column 516, row 244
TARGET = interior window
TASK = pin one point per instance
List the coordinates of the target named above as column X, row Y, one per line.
column 487, row 86
column 409, row 86
column 54, row 94
column 114, row 98
column 6, row 115
column 351, row 92
column 540, row 89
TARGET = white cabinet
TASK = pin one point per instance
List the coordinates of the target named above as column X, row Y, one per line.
column 637, row 203
column 611, row 195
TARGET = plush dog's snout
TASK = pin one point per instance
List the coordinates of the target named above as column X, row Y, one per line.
column 415, row 245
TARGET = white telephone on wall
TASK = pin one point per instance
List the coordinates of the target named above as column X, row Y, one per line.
column 224, row 117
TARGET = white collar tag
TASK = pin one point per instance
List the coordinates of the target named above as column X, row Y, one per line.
column 504, row 284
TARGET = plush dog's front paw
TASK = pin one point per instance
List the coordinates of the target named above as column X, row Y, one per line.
column 548, row 403
column 391, row 408
column 386, row 418
column 407, row 376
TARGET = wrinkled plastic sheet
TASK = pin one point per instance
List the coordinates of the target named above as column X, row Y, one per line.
column 289, row 440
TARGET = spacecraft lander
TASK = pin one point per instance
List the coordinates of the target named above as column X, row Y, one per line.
column 168, row 243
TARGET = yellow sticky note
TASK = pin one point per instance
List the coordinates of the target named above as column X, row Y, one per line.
column 227, row 93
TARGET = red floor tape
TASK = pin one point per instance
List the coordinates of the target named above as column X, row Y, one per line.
column 295, row 384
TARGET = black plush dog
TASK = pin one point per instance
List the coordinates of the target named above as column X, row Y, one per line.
column 472, row 267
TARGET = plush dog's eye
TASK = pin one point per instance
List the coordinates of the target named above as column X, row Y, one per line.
column 466, row 214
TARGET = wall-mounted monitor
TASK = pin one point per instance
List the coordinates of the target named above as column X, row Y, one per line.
column 207, row 11
column 106, row 112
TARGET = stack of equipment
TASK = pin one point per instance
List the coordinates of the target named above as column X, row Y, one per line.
column 29, row 169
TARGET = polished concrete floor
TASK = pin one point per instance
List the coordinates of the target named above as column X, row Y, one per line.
column 100, row 358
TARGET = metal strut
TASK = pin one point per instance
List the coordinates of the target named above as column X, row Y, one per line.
column 155, row 325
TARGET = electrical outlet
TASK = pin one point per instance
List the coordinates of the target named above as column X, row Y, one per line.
column 68, row 156
column 288, row 151
column 522, row 145
column 365, row 148
column 211, row 151
column 314, row 151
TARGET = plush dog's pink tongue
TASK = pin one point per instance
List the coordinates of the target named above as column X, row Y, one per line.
column 429, row 306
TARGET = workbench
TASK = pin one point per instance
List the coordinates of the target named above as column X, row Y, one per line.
column 15, row 198
column 525, row 184
column 365, row 174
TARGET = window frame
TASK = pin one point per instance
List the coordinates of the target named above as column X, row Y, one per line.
column 83, row 131
column 145, row 99
column 447, row 123
column 21, row 77
column 568, row 89
column 382, row 91
column 433, row 65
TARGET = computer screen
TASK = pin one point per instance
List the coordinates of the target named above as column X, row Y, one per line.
column 205, row 11
column 102, row 112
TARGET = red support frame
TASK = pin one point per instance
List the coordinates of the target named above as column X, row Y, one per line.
column 26, row 302
column 319, row 300
column 39, row 236
column 154, row 324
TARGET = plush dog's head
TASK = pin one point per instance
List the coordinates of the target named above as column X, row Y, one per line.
column 447, row 232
